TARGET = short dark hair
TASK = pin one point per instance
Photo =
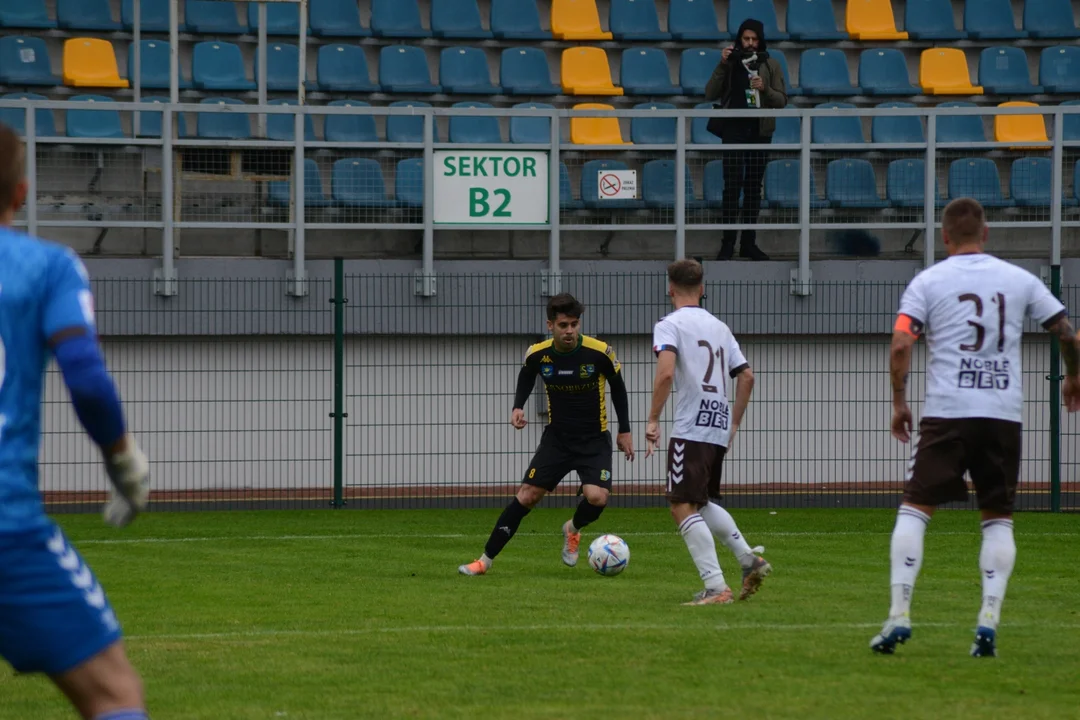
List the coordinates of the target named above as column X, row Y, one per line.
column 564, row 304
column 12, row 167
column 686, row 274
column 964, row 219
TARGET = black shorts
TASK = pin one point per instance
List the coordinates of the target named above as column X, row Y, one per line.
column 555, row 457
column 986, row 448
column 694, row 470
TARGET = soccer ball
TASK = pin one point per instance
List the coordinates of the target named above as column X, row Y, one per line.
column 609, row 555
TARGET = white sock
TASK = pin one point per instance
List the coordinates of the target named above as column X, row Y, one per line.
column 906, row 554
column 996, row 561
column 703, row 550
column 723, row 527
column 570, row 526
column 486, row 560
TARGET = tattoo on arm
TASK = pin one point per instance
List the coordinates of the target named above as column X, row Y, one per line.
column 1070, row 353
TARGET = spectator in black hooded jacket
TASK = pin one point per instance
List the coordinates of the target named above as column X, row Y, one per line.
column 744, row 169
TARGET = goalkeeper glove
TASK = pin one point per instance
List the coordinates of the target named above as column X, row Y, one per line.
column 129, row 472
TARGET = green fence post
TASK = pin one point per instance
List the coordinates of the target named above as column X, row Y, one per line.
column 339, row 413
column 1055, row 403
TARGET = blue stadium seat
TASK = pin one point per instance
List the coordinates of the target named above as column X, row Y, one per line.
column 92, row 15
column 25, row 14
column 153, row 16
column 788, row 130
column 1030, row 180
column 359, row 183
column 212, row 17
column 24, row 61
column 977, row 178
column 590, row 187
column 525, row 71
column 1059, row 69
column 712, row 180
column 343, row 68
column 792, row 89
column 533, row 130
column 930, row 20
column 890, row 129
column 658, row 186
column 566, row 193
column 465, row 71
column 354, row 127
column 850, row 184
column 479, row 129
column 696, row 66
column 782, row 186
column 699, row 128
column 103, row 123
column 885, row 72
column 222, row 126
column 1050, row 19
column 409, row 183
column 335, row 18
column 404, row 69
column 281, row 18
column 1076, row 180
column 653, row 131
column 693, row 20
column 905, row 184
column 645, row 71
column 635, row 20
column 762, row 10
column 517, row 20
column 836, row 130
column 408, row 128
column 959, row 128
column 219, row 66
column 154, row 66
column 1004, row 71
column 812, row 20
column 990, row 20
column 283, row 127
column 397, row 19
column 15, row 118
column 279, row 192
column 457, row 19
column 825, row 72
column 1071, row 124
column 282, row 68
column 150, row 123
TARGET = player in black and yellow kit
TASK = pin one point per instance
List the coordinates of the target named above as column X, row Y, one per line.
column 576, row 369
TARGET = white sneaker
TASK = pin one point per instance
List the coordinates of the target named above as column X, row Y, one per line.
column 571, row 541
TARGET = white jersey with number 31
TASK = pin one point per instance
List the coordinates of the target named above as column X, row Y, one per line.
column 973, row 307
column 707, row 357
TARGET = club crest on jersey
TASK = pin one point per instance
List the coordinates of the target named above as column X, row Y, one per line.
column 587, row 371
column 547, row 370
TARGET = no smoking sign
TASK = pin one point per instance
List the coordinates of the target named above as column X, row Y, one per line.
column 616, row 185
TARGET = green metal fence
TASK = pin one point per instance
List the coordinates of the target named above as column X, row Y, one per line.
column 365, row 394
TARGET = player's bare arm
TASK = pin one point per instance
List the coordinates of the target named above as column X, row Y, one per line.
column 743, row 388
column 1069, row 342
column 662, row 382
column 905, row 334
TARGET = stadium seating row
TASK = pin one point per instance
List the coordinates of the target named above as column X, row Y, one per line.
column 219, row 66
column 850, row 184
column 628, row 20
column 105, row 123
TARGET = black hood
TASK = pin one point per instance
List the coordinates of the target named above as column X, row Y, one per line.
column 757, row 27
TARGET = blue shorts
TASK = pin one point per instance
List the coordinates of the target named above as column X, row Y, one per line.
column 54, row 615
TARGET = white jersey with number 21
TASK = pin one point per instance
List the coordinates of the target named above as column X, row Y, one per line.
column 973, row 307
column 707, row 357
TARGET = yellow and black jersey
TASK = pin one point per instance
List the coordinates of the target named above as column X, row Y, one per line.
column 575, row 382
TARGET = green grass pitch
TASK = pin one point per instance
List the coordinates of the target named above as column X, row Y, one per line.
column 361, row 614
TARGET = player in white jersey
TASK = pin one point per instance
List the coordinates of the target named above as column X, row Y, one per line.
column 972, row 308
column 699, row 354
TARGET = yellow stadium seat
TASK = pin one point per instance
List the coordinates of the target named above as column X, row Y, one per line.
column 576, row 20
column 872, row 20
column 595, row 130
column 585, row 71
column 1020, row 128
column 944, row 71
column 89, row 62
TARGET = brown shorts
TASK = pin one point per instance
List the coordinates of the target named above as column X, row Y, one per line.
column 987, row 449
column 693, row 471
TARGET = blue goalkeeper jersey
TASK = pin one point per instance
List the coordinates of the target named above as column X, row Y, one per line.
column 44, row 289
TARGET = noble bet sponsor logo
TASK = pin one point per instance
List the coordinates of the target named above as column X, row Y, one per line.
column 713, row 413
column 979, row 374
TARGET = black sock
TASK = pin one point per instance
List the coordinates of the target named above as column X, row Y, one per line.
column 505, row 527
column 586, row 514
